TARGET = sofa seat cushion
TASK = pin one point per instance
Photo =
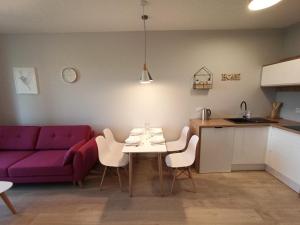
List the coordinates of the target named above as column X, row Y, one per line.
column 18, row 137
column 42, row 163
column 8, row 158
column 62, row 137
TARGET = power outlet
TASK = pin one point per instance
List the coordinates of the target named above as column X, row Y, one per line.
column 298, row 110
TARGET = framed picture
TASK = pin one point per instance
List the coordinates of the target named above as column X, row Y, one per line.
column 25, row 80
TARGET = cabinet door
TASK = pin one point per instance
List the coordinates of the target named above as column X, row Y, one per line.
column 216, row 149
column 284, row 153
column 281, row 74
column 250, row 144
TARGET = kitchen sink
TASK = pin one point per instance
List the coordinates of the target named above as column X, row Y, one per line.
column 251, row 120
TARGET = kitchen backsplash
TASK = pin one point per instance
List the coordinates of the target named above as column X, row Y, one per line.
column 291, row 101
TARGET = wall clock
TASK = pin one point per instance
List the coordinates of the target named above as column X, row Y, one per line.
column 69, row 75
column 25, row 80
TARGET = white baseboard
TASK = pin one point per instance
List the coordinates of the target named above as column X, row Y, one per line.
column 242, row 167
column 292, row 184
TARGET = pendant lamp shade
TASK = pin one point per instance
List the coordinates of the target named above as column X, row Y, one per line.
column 145, row 77
column 255, row 5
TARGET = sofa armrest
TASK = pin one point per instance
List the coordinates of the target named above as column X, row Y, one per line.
column 85, row 158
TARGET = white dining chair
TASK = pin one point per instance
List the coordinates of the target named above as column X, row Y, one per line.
column 114, row 145
column 110, row 155
column 181, row 162
column 109, row 137
column 180, row 144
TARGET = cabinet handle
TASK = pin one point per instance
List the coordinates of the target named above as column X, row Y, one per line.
column 218, row 127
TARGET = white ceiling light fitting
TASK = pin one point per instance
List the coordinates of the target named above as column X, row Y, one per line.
column 145, row 77
column 255, row 5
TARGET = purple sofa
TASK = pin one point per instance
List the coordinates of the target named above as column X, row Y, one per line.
column 32, row 154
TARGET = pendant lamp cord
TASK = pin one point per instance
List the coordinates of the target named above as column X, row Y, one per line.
column 145, row 17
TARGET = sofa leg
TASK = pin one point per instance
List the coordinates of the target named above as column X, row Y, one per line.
column 80, row 184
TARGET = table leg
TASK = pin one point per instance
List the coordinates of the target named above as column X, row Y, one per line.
column 8, row 203
column 130, row 174
column 160, row 172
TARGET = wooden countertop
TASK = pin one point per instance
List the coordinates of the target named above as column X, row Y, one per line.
column 224, row 123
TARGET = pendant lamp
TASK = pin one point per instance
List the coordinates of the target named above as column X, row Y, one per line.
column 145, row 76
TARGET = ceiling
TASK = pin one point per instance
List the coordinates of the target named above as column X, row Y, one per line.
column 61, row 16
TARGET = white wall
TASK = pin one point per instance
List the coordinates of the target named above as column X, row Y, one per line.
column 291, row 41
column 108, row 93
column 290, row 99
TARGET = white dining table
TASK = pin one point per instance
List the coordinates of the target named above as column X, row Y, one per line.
column 145, row 146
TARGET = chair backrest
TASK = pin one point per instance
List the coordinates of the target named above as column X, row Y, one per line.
column 183, row 137
column 192, row 146
column 103, row 149
column 109, row 137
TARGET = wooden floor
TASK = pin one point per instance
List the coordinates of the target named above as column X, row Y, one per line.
column 248, row 198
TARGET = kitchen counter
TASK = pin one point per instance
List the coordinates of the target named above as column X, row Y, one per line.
column 197, row 123
column 196, row 126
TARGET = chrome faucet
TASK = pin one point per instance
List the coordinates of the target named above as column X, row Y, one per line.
column 245, row 110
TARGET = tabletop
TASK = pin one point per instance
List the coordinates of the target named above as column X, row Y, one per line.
column 146, row 146
column 5, row 185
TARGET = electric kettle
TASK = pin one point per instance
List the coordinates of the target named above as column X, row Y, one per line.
column 205, row 114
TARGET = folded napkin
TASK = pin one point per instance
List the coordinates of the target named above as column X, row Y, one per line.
column 137, row 131
column 157, row 140
column 155, row 131
column 133, row 140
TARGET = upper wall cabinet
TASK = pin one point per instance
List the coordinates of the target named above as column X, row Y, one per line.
column 285, row 73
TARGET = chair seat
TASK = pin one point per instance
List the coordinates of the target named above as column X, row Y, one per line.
column 178, row 160
column 175, row 146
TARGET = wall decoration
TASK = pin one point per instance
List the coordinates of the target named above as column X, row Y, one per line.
column 25, row 80
column 233, row 76
column 69, row 75
column 203, row 79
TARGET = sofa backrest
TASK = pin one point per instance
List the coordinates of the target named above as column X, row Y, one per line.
column 18, row 137
column 62, row 137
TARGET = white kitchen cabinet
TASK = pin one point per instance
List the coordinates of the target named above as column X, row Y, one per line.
column 216, row 149
column 250, row 145
column 283, row 157
column 281, row 74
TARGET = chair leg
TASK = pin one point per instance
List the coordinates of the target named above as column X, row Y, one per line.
column 126, row 170
column 119, row 176
column 103, row 175
column 174, row 178
column 191, row 177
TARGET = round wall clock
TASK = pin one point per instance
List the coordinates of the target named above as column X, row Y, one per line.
column 69, row 75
